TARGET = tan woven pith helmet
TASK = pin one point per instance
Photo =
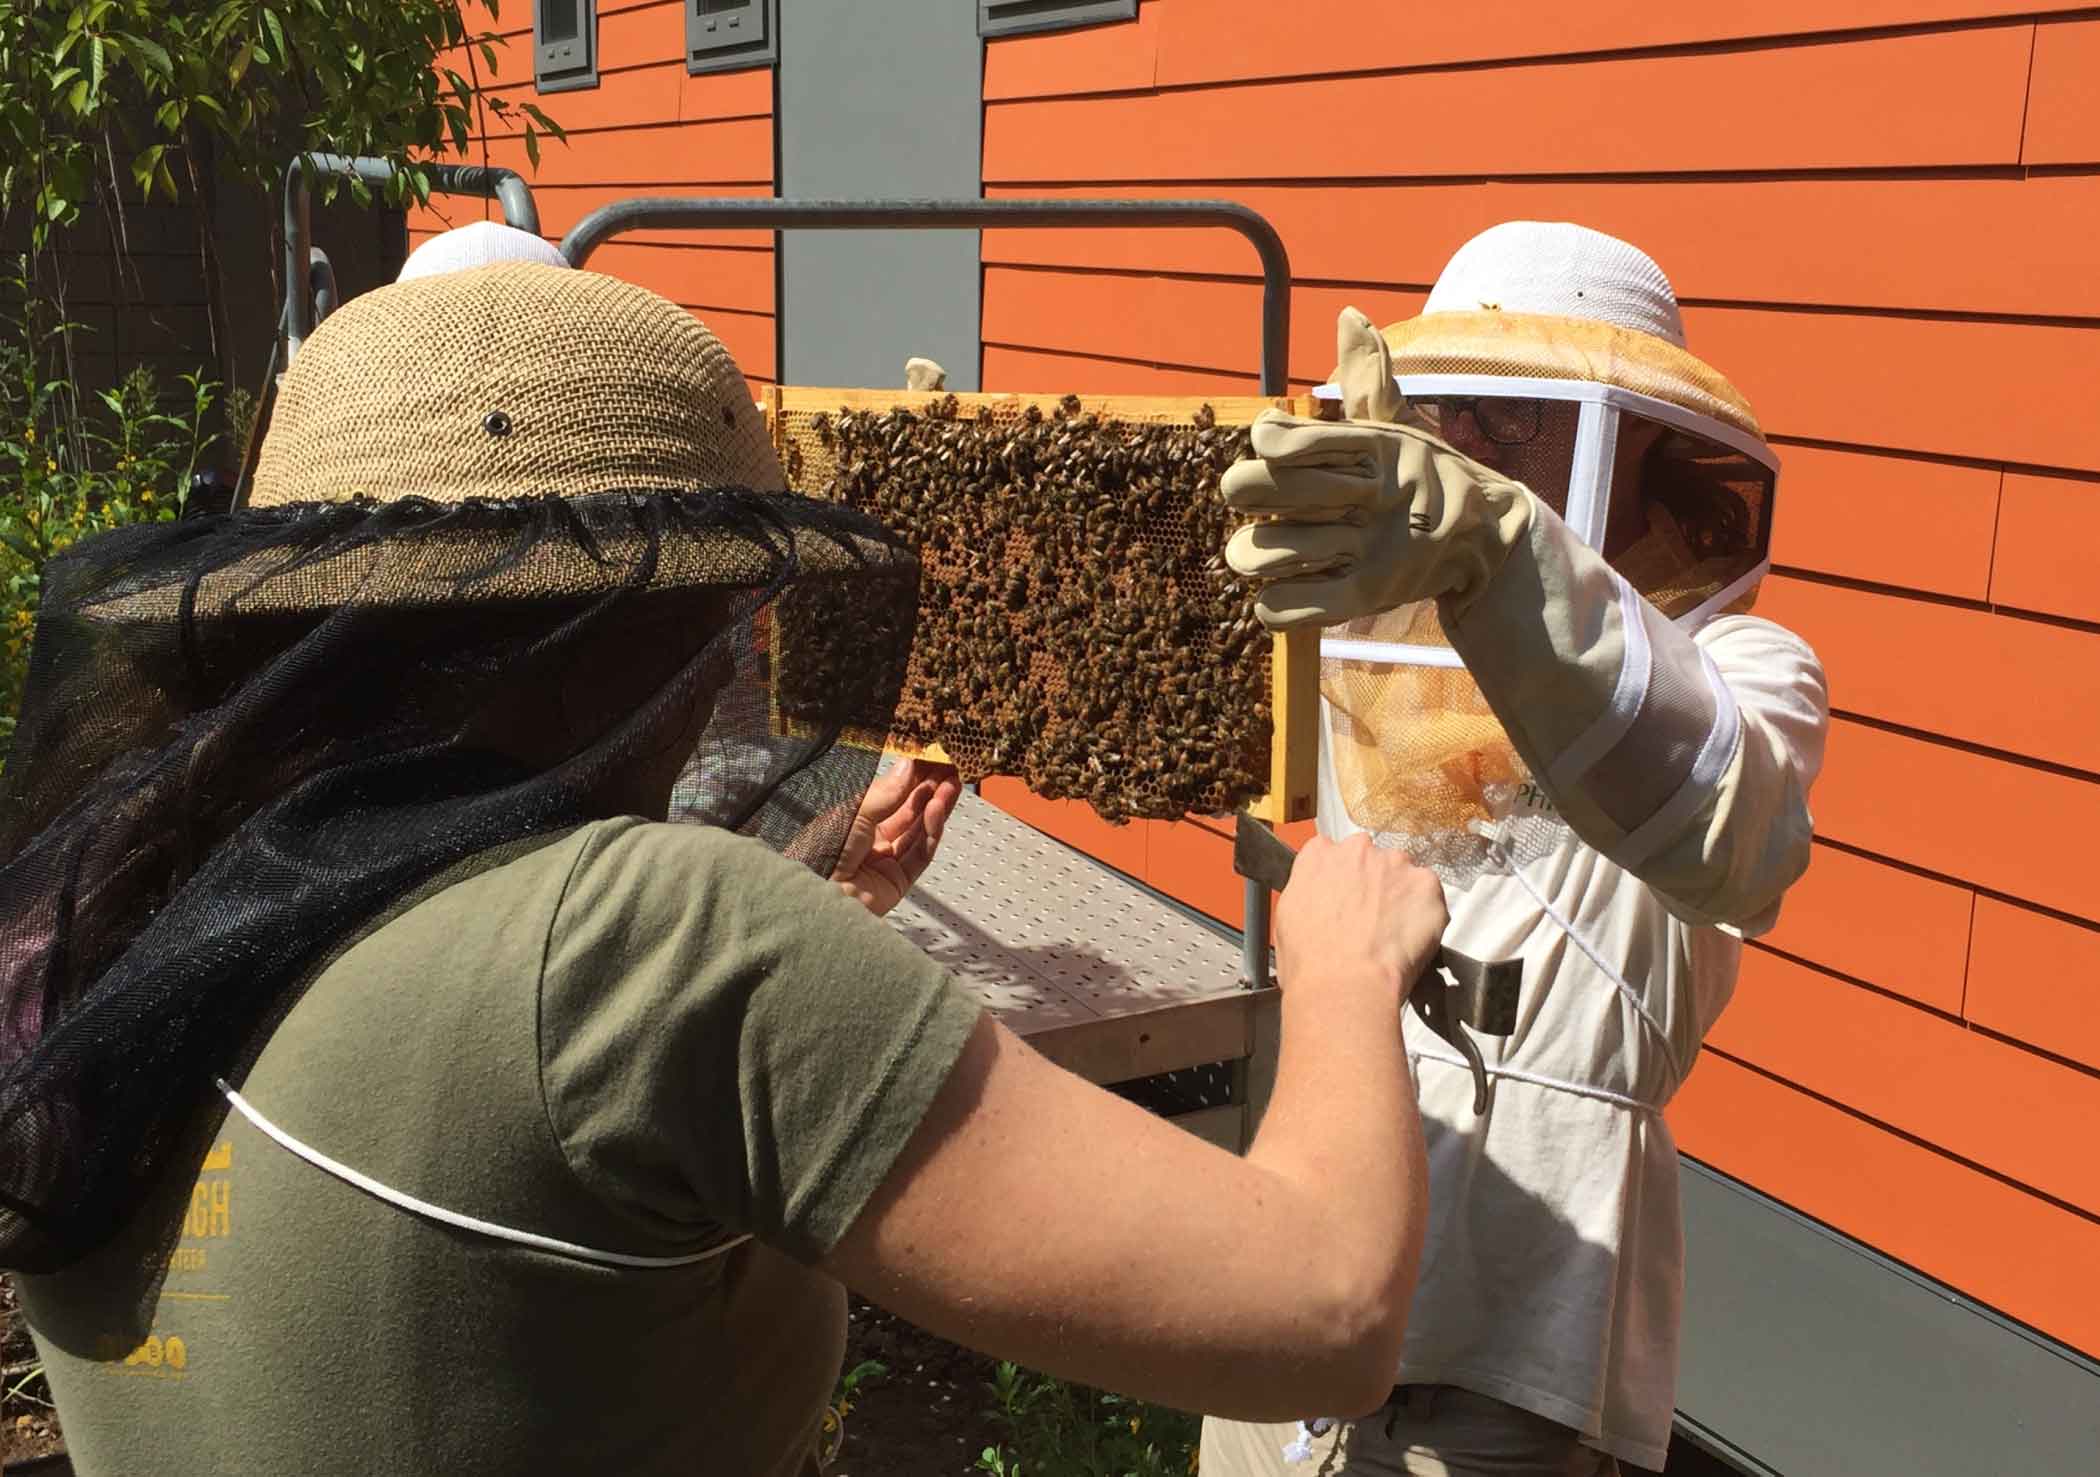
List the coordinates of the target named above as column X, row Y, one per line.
column 511, row 381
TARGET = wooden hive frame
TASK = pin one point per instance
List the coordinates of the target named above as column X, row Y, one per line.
column 1294, row 658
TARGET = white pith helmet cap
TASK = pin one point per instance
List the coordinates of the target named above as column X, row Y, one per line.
column 1557, row 268
column 482, row 244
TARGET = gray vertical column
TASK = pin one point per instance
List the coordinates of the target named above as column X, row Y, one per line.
column 879, row 101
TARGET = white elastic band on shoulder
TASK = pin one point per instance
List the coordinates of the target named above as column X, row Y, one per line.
column 410, row 1203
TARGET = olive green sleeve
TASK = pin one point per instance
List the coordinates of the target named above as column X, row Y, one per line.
column 727, row 1040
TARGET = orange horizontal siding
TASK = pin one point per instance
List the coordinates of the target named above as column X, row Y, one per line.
column 2037, row 979
column 1935, row 99
column 1892, row 928
column 1865, row 379
column 648, row 160
column 2046, row 532
column 1877, row 650
column 1117, row 58
column 1007, row 367
column 1189, row 322
column 2031, row 1260
column 694, row 277
column 1221, row 40
column 563, row 206
column 2007, row 827
column 2063, row 111
column 1888, row 520
column 1992, row 1103
column 1975, row 244
column 697, row 276
column 1996, row 391
column 646, row 95
column 1241, row 40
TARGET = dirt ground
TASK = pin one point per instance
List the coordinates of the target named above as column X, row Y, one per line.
column 28, row 1426
column 927, row 1417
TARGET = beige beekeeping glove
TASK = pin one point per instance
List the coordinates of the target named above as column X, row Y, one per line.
column 924, row 374
column 1360, row 516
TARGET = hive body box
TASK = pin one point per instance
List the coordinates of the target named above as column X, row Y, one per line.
column 1078, row 628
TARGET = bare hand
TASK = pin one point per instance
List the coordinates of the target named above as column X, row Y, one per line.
column 896, row 832
column 1357, row 916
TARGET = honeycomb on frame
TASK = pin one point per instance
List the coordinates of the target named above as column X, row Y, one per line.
column 1078, row 628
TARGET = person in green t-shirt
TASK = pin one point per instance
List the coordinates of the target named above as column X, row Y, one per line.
column 386, row 1086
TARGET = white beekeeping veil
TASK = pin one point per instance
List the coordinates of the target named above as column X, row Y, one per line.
column 1555, row 355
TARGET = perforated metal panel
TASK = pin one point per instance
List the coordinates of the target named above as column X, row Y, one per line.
column 1047, row 937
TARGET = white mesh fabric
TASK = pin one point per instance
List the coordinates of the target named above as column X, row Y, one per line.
column 482, row 244
column 1566, row 270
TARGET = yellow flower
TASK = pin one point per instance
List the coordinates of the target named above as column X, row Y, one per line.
column 29, row 434
column 50, row 463
column 146, row 496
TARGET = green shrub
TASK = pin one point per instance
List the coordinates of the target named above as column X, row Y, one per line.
column 72, row 465
column 1058, row 1430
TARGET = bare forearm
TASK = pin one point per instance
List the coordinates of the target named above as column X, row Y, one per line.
column 1344, row 1131
column 1073, row 1232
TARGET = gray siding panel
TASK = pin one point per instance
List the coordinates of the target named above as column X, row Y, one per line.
column 879, row 101
column 1819, row 1358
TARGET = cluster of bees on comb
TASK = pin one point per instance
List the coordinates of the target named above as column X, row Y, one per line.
column 1078, row 627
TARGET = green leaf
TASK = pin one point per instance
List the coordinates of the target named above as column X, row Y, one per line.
column 533, row 112
column 238, row 67
column 96, row 62
column 143, row 166
column 276, row 29
column 155, row 54
column 532, row 147
column 77, row 98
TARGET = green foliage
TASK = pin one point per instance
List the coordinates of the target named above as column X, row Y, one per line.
column 69, row 469
column 833, row 1435
column 92, row 87
column 1058, row 1430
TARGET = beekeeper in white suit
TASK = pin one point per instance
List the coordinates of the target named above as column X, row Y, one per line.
column 1534, row 539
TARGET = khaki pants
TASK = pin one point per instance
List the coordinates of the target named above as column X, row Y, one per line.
column 1424, row 1431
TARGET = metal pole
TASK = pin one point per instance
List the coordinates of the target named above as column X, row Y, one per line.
column 320, row 282
column 671, row 212
column 505, row 186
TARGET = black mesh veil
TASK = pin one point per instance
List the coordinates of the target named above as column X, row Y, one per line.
column 244, row 736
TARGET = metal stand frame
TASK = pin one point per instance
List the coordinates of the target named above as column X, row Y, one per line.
column 674, row 212
column 301, row 311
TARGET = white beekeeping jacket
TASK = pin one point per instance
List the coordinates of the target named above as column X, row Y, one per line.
column 1553, row 1272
